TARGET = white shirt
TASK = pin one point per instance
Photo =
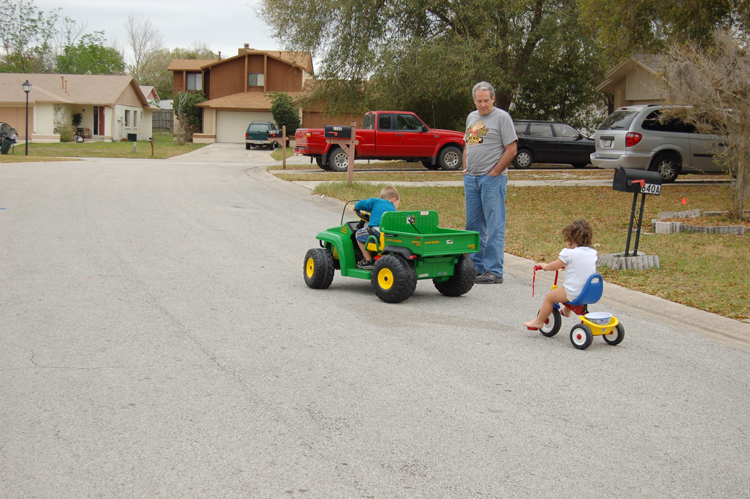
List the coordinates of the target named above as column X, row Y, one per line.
column 580, row 263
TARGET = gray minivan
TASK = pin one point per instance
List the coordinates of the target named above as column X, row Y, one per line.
column 635, row 137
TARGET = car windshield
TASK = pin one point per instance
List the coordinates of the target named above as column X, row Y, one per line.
column 258, row 128
column 619, row 120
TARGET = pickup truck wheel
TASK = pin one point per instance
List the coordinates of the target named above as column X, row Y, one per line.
column 393, row 279
column 319, row 161
column 318, row 269
column 524, row 159
column 668, row 166
column 450, row 158
column 462, row 280
column 338, row 161
column 248, row 146
column 427, row 163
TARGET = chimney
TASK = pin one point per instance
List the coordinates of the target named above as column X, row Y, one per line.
column 62, row 82
column 219, row 54
column 66, row 86
column 247, row 46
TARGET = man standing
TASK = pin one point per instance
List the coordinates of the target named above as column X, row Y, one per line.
column 491, row 144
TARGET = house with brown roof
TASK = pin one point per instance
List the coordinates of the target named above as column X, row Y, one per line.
column 238, row 89
column 112, row 106
column 633, row 81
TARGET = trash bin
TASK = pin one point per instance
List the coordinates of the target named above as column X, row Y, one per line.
column 7, row 142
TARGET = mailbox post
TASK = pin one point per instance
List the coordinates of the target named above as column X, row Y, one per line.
column 638, row 182
column 344, row 136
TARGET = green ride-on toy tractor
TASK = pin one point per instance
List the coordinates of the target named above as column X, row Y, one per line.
column 409, row 246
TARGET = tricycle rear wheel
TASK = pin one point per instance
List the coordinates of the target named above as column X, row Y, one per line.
column 393, row 279
column 581, row 336
column 462, row 280
column 616, row 336
column 318, row 269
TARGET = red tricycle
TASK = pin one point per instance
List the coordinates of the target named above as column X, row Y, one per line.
column 592, row 324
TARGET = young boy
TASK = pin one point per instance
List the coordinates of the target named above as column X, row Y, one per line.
column 388, row 201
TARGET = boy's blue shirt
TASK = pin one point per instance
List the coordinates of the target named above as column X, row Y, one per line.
column 376, row 207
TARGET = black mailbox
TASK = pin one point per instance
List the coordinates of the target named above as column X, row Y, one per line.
column 338, row 132
column 637, row 181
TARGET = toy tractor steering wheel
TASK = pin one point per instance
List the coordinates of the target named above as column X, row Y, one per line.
column 363, row 215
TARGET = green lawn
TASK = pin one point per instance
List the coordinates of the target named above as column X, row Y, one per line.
column 164, row 147
column 706, row 271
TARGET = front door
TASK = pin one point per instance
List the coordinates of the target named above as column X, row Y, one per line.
column 96, row 120
column 101, row 120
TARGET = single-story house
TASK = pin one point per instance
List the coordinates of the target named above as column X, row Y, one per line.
column 112, row 107
column 238, row 90
column 633, row 81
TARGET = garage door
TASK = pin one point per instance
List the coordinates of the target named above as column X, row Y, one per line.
column 231, row 125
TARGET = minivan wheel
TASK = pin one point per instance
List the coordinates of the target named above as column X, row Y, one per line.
column 668, row 166
column 523, row 159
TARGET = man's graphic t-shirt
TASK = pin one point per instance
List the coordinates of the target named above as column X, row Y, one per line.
column 486, row 138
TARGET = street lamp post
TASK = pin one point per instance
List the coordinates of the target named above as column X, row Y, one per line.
column 27, row 89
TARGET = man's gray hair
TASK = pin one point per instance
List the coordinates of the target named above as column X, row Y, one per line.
column 483, row 85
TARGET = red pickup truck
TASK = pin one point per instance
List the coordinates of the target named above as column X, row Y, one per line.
column 387, row 135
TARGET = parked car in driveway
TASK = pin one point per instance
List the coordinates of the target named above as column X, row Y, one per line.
column 637, row 137
column 257, row 134
column 550, row 142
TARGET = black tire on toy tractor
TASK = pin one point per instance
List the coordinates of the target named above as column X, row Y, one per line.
column 616, row 336
column 318, row 268
column 393, row 278
column 581, row 336
column 338, row 161
column 553, row 324
column 450, row 158
column 462, row 280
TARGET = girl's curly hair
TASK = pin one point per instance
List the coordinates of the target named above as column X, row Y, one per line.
column 579, row 232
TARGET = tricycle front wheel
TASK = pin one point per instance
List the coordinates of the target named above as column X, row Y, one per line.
column 552, row 324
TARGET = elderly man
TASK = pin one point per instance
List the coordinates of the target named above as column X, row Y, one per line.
column 491, row 144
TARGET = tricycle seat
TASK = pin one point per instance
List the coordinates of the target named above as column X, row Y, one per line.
column 591, row 293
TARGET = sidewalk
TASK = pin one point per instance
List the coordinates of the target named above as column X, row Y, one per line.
column 716, row 327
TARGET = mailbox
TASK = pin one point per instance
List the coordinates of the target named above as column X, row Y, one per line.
column 637, row 181
column 338, row 132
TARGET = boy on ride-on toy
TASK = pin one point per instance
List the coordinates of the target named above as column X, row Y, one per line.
column 388, row 201
column 579, row 260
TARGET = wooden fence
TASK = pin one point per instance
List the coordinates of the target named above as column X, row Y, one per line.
column 163, row 119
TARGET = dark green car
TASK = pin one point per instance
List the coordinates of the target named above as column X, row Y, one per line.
column 257, row 134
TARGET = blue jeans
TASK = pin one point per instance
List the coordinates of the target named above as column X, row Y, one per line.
column 485, row 213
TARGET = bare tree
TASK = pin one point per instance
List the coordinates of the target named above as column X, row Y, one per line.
column 715, row 83
column 144, row 41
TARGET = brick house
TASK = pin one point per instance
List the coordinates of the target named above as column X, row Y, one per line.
column 112, row 107
column 238, row 90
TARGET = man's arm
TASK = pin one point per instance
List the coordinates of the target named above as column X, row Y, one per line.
column 510, row 153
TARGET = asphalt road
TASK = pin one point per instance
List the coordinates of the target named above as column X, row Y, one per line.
column 157, row 340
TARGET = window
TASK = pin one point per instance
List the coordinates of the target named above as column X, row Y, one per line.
column 127, row 117
column 384, row 122
column 408, row 122
column 369, row 122
column 521, row 128
column 540, row 130
column 255, row 80
column 656, row 123
column 195, row 81
column 565, row 131
column 135, row 118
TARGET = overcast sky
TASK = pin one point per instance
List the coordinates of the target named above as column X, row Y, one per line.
column 223, row 26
